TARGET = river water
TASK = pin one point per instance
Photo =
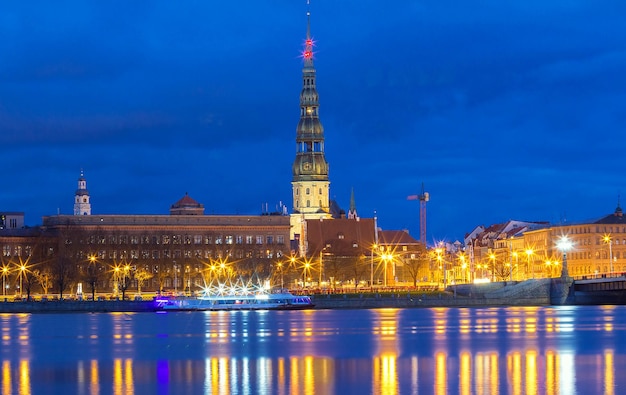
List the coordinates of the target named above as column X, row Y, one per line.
column 515, row 350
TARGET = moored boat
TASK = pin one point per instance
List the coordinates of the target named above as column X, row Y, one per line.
column 282, row 300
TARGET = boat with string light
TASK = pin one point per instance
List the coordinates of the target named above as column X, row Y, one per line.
column 224, row 297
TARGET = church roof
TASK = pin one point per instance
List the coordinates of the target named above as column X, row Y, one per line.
column 186, row 201
column 396, row 237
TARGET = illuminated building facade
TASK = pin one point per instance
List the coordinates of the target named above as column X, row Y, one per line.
column 177, row 251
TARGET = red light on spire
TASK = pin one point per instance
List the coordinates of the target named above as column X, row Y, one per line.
column 309, row 42
column 307, row 54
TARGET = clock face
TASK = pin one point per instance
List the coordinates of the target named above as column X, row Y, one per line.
column 306, row 165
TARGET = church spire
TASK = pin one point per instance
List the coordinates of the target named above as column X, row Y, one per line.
column 81, row 197
column 310, row 184
column 352, row 212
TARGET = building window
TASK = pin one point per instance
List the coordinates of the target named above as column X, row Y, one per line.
column 248, row 239
column 6, row 250
column 259, row 239
column 308, row 203
column 229, row 239
column 197, row 239
column 239, row 239
column 218, row 239
column 308, row 191
column 270, row 239
column 134, row 239
column 208, row 239
column 175, row 239
column 280, row 239
column 155, row 254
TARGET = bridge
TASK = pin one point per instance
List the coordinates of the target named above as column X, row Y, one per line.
column 605, row 288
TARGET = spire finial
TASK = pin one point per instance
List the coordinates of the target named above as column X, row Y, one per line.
column 308, row 45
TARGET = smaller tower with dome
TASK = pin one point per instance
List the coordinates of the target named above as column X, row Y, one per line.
column 82, row 206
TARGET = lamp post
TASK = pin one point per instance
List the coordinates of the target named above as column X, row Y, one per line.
column 529, row 253
column 280, row 267
column 564, row 244
column 372, row 266
column 516, row 256
column 307, row 267
column 5, row 273
column 441, row 262
column 22, row 274
column 492, row 257
column 607, row 239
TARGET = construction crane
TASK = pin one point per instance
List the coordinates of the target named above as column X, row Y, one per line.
column 423, row 198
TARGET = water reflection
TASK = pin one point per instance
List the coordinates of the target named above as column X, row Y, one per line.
column 390, row 351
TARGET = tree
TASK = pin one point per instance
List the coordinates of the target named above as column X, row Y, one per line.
column 357, row 268
column 63, row 272
column 92, row 273
column 142, row 275
column 44, row 278
column 418, row 266
column 125, row 276
column 28, row 281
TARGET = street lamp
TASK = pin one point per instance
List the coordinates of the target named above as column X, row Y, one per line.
column 307, row 267
column 22, row 274
column 492, row 257
column 5, row 273
column 529, row 253
column 564, row 244
column 549, row 268
column 440, row 260
column 386, row 257
column 607, row 239
column 280, row 267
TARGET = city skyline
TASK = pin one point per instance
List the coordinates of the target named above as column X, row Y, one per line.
column 503, row 111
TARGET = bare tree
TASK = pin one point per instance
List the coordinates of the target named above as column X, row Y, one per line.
column 418, row 266
column 92, row 274
column 63, row 272
column 142, row 275
column 44, row 278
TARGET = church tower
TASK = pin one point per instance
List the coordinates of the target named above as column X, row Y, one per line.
column 310, row 184
column 81, row 197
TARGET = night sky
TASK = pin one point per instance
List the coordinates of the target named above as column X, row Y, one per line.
column 504, row 110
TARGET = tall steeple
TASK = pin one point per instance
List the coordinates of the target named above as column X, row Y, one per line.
column 310, row 184
column 352, row 212
column 81, row 197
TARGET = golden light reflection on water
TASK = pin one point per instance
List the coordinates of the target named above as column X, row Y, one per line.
column 398, row 363
column 123, row 382
column 609, row 373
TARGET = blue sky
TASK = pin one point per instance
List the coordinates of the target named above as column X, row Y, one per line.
column 504, row 110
